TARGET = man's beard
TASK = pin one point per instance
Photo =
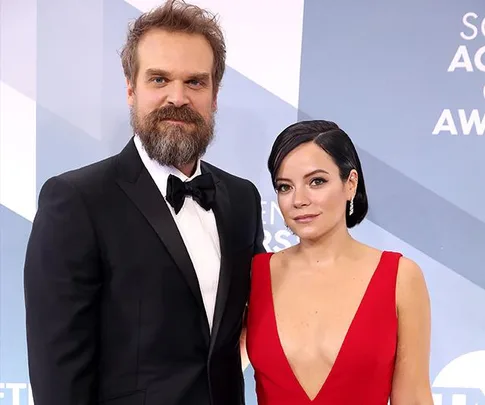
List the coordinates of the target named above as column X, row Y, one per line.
column 173, row 144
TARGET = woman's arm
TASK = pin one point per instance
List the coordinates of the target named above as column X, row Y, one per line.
column 411, row 385
column 242, row 342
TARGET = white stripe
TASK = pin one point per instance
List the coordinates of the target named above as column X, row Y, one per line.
column 263, row 39
column 17, row 152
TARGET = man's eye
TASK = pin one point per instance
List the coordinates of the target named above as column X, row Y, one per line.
column 195, row 82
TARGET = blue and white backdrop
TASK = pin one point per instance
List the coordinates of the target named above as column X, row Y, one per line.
column 406, row 80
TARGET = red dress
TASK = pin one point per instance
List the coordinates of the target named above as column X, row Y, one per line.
column 363, row 370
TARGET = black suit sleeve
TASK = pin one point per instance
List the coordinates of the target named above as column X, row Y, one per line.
column 259, row 237
column 62, row 282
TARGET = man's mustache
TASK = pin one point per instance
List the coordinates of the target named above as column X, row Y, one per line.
column 184, row 113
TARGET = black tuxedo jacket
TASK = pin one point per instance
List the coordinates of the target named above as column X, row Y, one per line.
column 114, row 313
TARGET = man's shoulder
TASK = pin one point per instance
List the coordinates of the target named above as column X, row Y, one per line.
column 92, row 172
column 89, row 177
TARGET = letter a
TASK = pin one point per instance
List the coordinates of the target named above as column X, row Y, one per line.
column 461, row 60
column 445, row 123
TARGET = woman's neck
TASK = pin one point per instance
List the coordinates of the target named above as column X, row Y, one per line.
column 328, row 249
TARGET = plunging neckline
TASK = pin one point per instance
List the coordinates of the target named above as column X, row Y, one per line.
column 344, row 343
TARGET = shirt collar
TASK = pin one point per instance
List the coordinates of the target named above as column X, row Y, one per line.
column 160, row 173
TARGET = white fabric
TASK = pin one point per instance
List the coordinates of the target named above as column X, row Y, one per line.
column 197, row 227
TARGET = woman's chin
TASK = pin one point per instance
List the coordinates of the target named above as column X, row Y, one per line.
column 308, row 233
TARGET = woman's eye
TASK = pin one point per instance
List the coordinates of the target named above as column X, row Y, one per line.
column 318, row 181
column 282, row 188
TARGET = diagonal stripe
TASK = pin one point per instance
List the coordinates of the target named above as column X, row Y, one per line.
column 14, row 231
column 264, row 50
column 423, row 219
column 17, row 151
column 357, row 77
column 18, row 45
column 70, row 60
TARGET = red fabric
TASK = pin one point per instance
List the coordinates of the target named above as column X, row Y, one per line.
column 363, row 370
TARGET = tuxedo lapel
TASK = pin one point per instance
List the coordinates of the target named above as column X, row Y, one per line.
column 223, row 216
column 136, row 182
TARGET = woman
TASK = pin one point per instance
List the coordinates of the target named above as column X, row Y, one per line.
column 332, row 321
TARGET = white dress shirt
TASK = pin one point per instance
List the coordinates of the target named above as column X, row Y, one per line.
column 197, row 227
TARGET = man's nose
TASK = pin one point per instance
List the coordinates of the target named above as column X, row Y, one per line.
column 177, row 94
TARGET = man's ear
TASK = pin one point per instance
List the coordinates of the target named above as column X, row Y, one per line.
column 214, row 102
column 130, row 92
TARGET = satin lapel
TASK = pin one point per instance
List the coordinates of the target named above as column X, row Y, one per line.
column 222, row 213
column 145, row 195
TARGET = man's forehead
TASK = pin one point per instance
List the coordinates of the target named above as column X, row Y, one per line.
column 155, row 70
column 173, row 51
column 157, row 38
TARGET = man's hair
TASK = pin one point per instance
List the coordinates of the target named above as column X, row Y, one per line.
column 176, row 16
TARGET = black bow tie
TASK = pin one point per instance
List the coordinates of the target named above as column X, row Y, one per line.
column 201, row 189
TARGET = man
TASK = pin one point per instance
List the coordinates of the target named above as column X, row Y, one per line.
column 138, row 267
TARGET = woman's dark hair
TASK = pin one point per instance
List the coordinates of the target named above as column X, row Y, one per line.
column 337, row 144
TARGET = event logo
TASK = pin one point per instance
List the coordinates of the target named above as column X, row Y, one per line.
column 461, row 382
column 276, row 236
column 469, row 58
column 16, row 394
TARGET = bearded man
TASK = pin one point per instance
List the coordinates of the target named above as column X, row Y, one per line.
column 137, row 269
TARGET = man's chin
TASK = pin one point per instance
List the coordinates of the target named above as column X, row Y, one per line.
column 178, row 128
column 176, row 123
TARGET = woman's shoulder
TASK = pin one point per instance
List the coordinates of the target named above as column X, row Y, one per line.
column 275, row 259
column 407, row 269
column 411, row 289
column 282, row 257
column 409, row 274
